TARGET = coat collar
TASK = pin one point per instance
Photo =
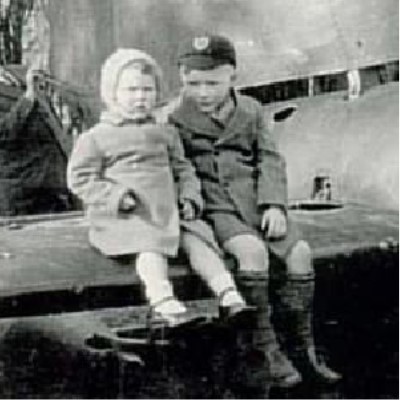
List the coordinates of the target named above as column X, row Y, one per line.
column 188, row 115
column 118, row 120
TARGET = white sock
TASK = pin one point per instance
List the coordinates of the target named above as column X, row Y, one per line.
column 155, row 280
column 222, row 282
column 157, row 291
column 152, row 270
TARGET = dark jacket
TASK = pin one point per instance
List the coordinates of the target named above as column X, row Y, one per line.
column 239, row 165
column 32, row 164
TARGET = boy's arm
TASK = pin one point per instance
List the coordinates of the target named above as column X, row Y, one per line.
column 85, row 178
column 189, row 188
column 272, row 180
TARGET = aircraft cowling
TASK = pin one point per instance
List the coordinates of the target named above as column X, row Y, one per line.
column 355, row 143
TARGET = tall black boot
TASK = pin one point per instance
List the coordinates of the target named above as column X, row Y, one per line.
column 254, row 288
column 296, row 297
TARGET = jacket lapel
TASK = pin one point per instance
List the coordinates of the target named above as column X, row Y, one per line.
column 236, row 123
column 188, row 116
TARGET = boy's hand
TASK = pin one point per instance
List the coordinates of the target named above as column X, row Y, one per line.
column 127, row 203
column 187, row 210
column 274, row 219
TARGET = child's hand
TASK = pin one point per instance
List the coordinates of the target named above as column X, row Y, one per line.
column 187, row 210
column 274, row 219
column 127, row 203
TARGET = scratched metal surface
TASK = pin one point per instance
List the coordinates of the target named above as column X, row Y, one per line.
column 54, row 255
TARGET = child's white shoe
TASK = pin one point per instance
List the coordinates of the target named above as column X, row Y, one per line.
column 173, row 313
column 169, row 306
column 231, row 297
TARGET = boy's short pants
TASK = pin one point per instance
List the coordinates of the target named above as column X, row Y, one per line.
column 227, row 224
column 203, row 231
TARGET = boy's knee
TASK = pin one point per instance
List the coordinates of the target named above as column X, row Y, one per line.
column 299, row 260
column 250, row 252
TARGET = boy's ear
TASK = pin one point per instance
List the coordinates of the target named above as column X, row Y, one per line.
column 233, row 76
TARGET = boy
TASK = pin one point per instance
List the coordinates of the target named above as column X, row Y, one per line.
column 245, row 192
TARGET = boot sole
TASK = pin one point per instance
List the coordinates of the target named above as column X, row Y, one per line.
column 242, row 318
column 280, row 383
column 176, row 327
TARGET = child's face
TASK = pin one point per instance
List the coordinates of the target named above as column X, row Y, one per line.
column 208, row 88
column 136, row 93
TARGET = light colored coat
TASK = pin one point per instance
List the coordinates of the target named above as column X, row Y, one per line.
column 111, row 160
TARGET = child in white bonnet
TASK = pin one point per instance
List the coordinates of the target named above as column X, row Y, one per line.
column 136, row 183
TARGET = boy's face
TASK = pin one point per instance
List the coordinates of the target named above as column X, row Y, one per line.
column 208, row 88
column 135, row 93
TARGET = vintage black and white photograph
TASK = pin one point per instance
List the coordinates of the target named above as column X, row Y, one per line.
column 199, row 199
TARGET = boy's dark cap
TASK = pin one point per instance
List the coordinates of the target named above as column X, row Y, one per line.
column 209, row 51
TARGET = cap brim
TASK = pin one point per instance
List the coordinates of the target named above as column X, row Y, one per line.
column 198, row 61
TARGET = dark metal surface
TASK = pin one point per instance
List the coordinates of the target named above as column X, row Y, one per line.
column 53, row 258
column 356, row 321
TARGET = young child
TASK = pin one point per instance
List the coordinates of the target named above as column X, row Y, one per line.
column 244, row 188
column 124, row 169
